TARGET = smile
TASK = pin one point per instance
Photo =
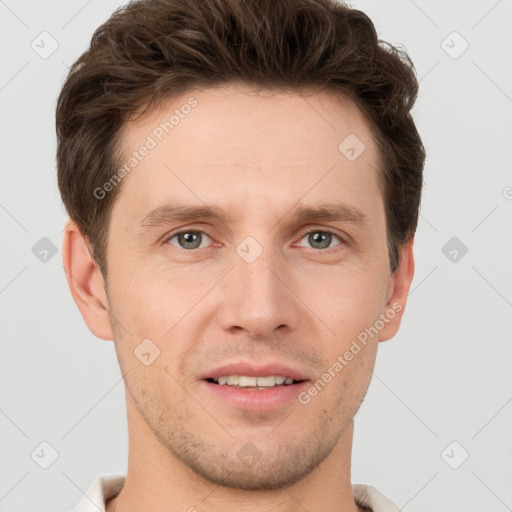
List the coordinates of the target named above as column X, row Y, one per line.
column 260, row 382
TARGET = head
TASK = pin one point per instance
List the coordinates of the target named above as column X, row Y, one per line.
column 261, row 114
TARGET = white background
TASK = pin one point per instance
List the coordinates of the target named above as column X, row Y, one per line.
column 445, row 377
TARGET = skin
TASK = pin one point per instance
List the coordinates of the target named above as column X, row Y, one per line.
column 255, row 155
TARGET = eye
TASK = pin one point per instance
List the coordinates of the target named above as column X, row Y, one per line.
column 321, row 239
column 188, row 239
column 192, row 239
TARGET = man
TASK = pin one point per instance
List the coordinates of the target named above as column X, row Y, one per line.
column 243, row 179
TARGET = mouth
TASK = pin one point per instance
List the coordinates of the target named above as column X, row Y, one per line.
column 257, row 388
column 250, row 382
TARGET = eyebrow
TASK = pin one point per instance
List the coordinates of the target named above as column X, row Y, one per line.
column 179, row 212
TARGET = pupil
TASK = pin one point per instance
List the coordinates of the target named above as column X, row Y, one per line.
column 321, row 238
column 189, row 239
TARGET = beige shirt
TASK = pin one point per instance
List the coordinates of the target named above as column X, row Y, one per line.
column 105, row 487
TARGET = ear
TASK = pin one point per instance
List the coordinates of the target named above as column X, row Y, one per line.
column 398, row 291
column 85, row 281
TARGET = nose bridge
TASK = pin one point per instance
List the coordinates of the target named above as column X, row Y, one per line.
column 259, row 298
column 257, row 264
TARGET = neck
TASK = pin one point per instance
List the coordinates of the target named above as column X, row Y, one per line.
column 156, row 480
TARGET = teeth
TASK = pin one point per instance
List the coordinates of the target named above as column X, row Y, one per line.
column 266, row 381
column 244, row 381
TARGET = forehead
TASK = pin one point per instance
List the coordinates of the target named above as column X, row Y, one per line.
column 236, row 147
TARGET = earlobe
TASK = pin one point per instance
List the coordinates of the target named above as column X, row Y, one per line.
column 85, row 282
column 399, row 289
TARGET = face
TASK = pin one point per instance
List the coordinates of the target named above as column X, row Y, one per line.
column 255, row 285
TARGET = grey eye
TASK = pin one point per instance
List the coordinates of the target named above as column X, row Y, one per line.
column 320, row 239
column 189, row 239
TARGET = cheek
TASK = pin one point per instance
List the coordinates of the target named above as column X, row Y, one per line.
column 347, row 301
column 160, row 307
column 138, row 309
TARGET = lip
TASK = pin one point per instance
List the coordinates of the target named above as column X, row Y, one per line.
column 254, row 399
column 254, row 370
column 260, row 400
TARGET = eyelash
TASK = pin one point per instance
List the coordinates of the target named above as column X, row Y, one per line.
column 310, row 231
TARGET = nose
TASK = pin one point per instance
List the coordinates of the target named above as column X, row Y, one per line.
column 259, row 296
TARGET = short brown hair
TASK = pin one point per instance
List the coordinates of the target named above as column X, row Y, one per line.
column 150, row 50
